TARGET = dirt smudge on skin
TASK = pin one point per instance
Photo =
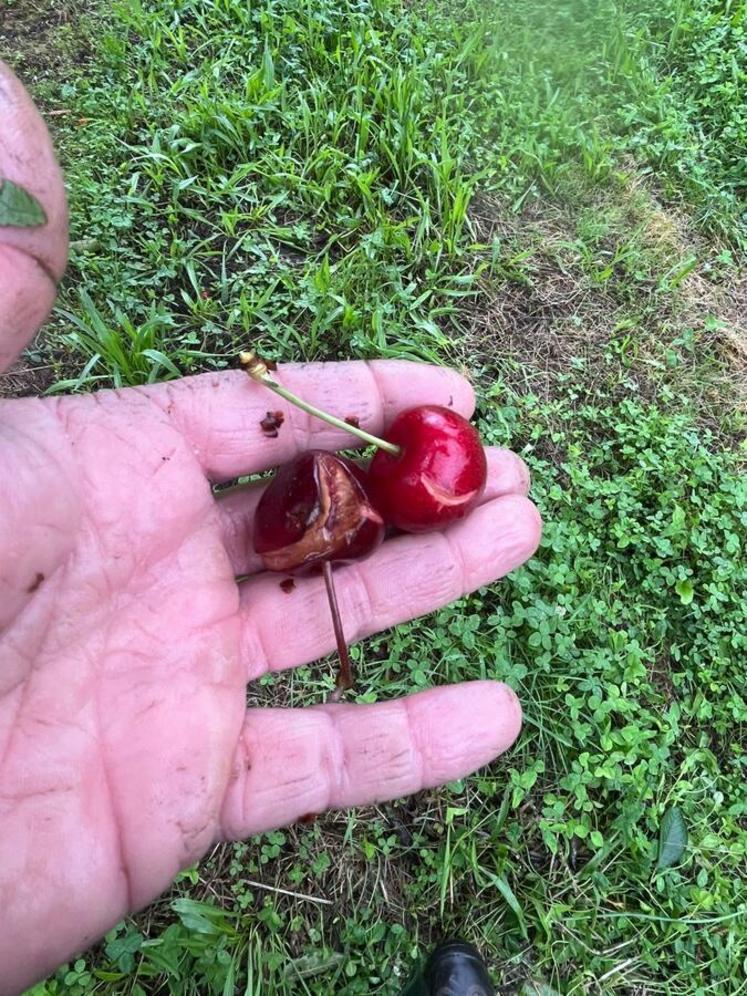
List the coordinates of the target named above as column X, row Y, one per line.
column 36, row 583
column 271, row 423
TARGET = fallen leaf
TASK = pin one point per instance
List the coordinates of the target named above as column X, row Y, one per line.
column 18, row 208
column 672, row 838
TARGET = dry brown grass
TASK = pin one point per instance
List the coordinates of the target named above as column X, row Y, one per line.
column 23, row 379
column 552, row 307
column 36, row 37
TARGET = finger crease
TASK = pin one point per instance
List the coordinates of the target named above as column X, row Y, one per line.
column 302, row 426
column 336, row 760
column 378, row 393
column 417, row 753
column 115, row 814
column 457, row 556
column 41, row 263
column 363, row 610
column 254, row 653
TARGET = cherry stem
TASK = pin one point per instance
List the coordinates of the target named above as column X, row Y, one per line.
column 345, row 675
column 258, row 371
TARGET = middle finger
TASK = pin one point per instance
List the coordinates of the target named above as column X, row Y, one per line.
column 507, row 474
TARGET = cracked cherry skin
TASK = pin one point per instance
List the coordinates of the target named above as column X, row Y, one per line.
column 438, row 476
column 316, row 509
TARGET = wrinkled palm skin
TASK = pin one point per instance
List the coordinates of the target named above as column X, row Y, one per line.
column 126, row 643
column 121, row 693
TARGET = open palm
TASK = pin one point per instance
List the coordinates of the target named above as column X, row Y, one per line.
column 126, row 643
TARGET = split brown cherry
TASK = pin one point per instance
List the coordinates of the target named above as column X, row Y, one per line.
column 315, row 513
column 316, row 509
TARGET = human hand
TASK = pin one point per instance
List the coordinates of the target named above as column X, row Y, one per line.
column 126, row 644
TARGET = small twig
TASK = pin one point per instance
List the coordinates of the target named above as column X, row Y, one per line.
column 257, row 369
column 85, row 244
column 618, row 969
column 288, row 892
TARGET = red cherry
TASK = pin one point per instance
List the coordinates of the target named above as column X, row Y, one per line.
column 438, row 476
column 316, row 509
column 430, row 471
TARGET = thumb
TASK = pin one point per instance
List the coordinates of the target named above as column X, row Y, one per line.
column 32, row 260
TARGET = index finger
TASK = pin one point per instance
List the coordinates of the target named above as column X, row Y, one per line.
column 220, row 414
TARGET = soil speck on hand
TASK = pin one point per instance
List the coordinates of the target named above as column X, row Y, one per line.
column 271, row 423
column 288, row 585
column 35, row 584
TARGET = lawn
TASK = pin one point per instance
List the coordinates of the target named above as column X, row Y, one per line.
column 551, row 197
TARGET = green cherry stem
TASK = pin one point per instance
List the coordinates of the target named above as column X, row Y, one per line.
column 258, row 370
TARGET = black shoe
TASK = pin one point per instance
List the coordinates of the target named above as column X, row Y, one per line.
column 456, row 968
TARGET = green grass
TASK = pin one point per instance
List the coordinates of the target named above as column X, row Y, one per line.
column 320, row 199
column 549, row 196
